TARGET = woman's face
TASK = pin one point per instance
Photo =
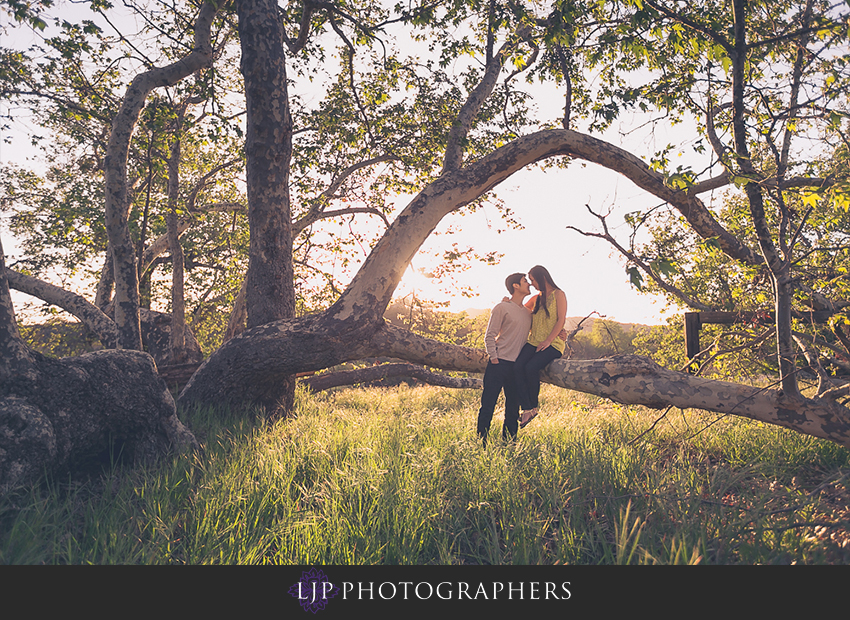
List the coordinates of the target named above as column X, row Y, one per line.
column 533, row 282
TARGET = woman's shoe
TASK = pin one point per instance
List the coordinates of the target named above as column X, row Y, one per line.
column 528, row 416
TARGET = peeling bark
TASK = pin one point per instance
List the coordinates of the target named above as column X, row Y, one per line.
column 270, row 292
column 268, row 147
column 90, row 315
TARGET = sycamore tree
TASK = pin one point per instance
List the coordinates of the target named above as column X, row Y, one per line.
column 756, row 77
column 765, row 84
column 770, row 94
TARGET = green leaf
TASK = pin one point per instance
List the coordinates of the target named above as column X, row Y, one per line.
column 635, row 277
column 664, row 266
column 810, row 200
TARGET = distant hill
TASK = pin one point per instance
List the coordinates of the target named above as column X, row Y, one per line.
column 571, row 323
column 587, row 326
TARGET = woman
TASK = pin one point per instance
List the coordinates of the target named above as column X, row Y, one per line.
column 549, row 312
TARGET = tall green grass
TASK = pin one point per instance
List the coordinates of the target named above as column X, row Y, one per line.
column 397, row 476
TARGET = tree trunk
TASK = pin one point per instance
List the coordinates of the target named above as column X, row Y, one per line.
column 15, row 357
column 270, row 291
column 117, row 204
column 178, row 302
column 387, row 371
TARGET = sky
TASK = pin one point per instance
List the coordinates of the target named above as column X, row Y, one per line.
column 591, row 273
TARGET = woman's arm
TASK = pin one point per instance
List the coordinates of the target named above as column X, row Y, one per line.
column 561, row 301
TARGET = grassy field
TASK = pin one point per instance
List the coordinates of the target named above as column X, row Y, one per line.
column 396, row 476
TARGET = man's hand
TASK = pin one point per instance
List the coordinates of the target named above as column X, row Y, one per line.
column 563, row 335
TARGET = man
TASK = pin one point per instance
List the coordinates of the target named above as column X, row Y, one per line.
column 506, row 334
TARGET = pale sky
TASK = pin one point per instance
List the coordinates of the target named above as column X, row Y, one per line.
column 591, row 273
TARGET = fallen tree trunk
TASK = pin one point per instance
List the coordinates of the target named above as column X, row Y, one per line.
column 316, row 383
column 635, row 380
column 286, row 347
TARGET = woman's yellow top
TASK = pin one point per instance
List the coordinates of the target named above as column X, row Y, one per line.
column 542, row 325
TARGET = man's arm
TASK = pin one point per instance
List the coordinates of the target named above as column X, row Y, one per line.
column 494, row 326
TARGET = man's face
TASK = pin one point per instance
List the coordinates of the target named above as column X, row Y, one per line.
column 524, row 287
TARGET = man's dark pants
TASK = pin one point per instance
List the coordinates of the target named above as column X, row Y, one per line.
column 496, row 378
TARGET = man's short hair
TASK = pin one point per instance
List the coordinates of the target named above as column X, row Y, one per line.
column 514, row 278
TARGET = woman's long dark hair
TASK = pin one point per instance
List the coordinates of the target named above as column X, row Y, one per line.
column 541, row 275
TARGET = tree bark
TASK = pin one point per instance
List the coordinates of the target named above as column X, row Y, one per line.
column 65, row 414
column 387, row 371
column 270, row 292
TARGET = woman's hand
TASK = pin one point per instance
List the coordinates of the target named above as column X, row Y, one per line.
column 544, row 345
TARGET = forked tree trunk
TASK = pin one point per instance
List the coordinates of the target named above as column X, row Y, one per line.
column 117, row 198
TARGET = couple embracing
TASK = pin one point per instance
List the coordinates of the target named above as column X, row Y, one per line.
column 521, row 340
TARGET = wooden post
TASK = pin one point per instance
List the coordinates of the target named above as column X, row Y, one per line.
column 692, row 327
column 695, row 320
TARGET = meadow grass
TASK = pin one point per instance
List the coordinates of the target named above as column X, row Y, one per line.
column 397, row 476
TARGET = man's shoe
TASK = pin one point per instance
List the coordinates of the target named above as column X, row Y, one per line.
column 528, row 416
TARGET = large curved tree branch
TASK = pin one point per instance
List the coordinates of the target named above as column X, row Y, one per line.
column 381, row 272
column 247, row 368
column 115, row 173
column 344, row 331
column 89, row 314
